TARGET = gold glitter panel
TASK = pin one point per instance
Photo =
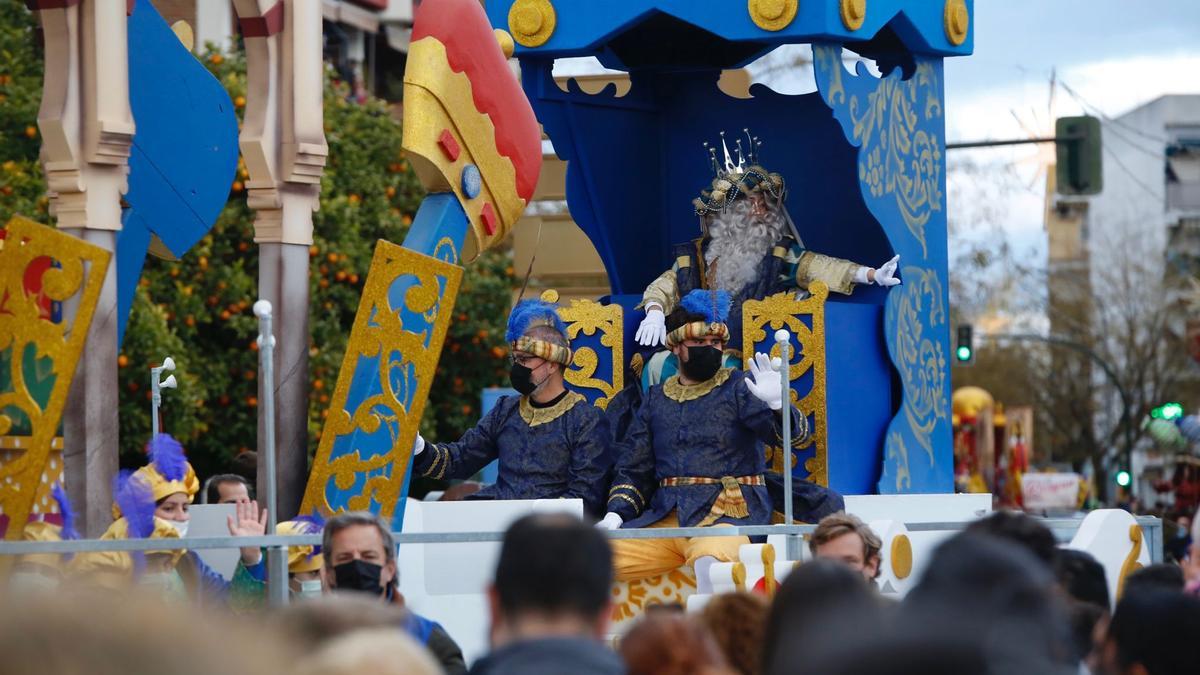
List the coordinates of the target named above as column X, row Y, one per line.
column 408, row 353
column 585, row 319
column 760, row 320
column 80, row 269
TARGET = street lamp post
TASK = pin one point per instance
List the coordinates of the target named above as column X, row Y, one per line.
column 156, row 388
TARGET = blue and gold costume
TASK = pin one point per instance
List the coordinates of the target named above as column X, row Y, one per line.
column 548, row 451
column 544, row 453
column 698, row 450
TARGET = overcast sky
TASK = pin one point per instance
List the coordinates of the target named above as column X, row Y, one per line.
column 1114, row 54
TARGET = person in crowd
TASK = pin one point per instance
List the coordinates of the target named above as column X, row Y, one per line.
column 359, row 557
column 304, row 562
column 135, row 635
column 1081, row 577
column 571, row 436
column 1165, row 576
column 226, row 488
column 1020, row 529
column 820, row 601
column 694, row 456
column 153, row 502
column 1153, row 632
column 245, row 464
column 43, row 572
column 672, row 644
column 995, row 593
column 846, row 538
column 378, row 651
column 549, row 601
column 1177, row 547
column 738, row 623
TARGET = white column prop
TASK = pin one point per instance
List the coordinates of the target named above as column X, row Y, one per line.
column 87, row 131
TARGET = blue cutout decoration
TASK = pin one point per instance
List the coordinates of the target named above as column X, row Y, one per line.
column 184, row 151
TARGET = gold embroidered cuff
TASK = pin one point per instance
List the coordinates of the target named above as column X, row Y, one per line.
column 636, row 508
column 543, row 349
column 627, row 486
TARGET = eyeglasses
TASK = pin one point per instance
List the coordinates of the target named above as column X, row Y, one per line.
column 521, row 359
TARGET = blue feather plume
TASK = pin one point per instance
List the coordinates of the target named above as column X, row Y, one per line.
column 64, row 509
column 712, row 305
column 135, row 499
column 528, row 311
column 167, row 456
column 312, row 525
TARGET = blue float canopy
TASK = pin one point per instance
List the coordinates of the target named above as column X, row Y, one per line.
column 864, row 162
column 669, row 34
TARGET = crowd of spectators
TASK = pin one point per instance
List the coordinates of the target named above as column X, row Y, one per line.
column 1000, row 597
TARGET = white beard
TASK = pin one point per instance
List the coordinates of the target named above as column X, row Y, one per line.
column 739, row 240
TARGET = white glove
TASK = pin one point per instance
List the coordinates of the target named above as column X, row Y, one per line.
column 611, row 522
column 764, row 381
column 418, row 445
column 653, row 329
column 886, row 274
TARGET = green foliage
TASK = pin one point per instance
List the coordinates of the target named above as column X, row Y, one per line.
column 197, row 310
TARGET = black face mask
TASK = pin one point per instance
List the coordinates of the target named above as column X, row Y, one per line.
column 702, row 363
column 358, row 575
column 522, row 379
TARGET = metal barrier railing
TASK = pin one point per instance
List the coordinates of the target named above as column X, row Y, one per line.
column 1062, row 527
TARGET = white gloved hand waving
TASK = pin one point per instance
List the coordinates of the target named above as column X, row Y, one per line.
column 764, row 381
column 418, row 445
column 611, row 521
column 653, row 329
column 885, row 275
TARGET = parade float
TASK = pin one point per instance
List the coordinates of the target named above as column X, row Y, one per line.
column 864, row 160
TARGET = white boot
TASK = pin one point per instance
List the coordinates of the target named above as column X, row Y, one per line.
column 703, row 581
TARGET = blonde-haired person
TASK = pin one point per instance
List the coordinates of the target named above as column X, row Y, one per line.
column 153, row 502
column 379, row 651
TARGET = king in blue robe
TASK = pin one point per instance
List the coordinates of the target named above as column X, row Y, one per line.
column 694, row 453
column 549, row 441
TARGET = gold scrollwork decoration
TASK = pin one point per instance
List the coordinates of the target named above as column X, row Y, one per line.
column 585, row 317
column 79, row 269
column 897, row 131
column 918, row 354
column 408, row 357
column 784, row 310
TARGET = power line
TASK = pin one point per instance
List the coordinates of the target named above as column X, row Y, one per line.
column 1158, row 196
column 1102, row 115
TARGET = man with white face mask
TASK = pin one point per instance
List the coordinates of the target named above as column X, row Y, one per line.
column 749, row 234
column 570, row 435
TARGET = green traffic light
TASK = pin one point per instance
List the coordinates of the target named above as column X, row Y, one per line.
column 1168, row 411
column 1123, row 478
column 963, row 353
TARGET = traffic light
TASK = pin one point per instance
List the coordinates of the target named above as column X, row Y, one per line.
column 1167, row 411
column 964, row 347
column 1078, row 157
column 1123, row 478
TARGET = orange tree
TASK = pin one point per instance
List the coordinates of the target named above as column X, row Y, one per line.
column 197, row 309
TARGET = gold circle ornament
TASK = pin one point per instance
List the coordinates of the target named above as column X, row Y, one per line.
column 772, row 15
column 531, row 22
column 853, row 12
column 505, row 41
column 549, row 295
column 901, row 556
column 956, row 21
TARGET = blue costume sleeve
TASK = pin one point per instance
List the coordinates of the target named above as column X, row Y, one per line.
column 468, row 455
column 633, row 483
column 767, row 424
column 589, row 459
